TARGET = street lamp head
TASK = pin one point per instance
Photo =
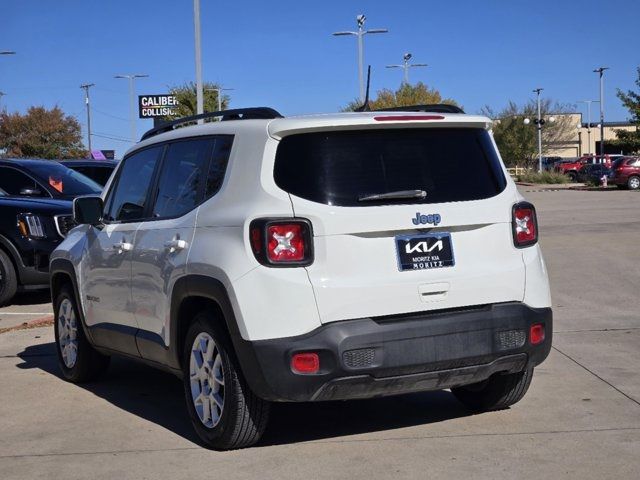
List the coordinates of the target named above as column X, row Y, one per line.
column 552, row 119
column 7, row 52
column 361, row 19
column 407, row 57
column 526, row 121
column 338, row 34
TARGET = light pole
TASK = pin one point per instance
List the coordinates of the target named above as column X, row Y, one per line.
column 218, row 90
column 539, row 122
column 199, row 86
column 600, row 71
column 86, row 87
column 2, row 94
column 132, row 93
column 406, row 66
column 360, row 33
column 588, row 102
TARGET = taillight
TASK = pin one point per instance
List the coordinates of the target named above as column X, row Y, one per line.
column 524, row 224
column 281, row 242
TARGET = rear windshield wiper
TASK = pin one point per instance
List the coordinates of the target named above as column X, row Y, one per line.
column 393, row 195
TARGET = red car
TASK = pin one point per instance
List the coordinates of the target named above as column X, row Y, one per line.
column 571, row 168
column 626, row 173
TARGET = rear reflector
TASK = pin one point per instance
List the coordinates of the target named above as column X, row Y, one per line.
column 305, row 363
column 536, row 333
column 525, row 225
column 406, row 118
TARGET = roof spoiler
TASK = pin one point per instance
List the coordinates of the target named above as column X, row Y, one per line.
column 435, row 108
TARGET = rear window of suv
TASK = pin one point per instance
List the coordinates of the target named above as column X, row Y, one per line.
column 342, row 167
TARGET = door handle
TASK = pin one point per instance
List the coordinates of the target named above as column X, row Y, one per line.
column 123, row 246
column 175, row 245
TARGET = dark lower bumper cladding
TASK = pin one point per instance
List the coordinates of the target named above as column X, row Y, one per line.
column 373, row 357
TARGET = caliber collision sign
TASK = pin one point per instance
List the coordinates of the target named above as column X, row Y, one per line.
column 150, row 106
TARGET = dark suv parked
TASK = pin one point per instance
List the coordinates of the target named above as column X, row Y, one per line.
column 35, row 215
column 30, row 229
column 44, row 179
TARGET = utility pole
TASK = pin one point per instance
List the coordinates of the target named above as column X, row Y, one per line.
column 218, row 94
column 360, row 33
column 589, row 102
column 2, row 94
column 199, row 86
column 600, row 71
column 132, row 100
column 406, row 66
column 86, row 88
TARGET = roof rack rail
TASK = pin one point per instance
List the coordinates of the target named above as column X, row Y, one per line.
column 252, row 113
column 435, row 107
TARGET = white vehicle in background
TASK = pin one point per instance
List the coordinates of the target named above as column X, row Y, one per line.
column 311, row 258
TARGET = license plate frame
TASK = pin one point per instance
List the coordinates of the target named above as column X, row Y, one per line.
column 426, row 251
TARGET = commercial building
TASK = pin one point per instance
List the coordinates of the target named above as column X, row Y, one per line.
column 587, row 137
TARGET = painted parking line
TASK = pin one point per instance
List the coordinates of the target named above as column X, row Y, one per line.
column 24, row 313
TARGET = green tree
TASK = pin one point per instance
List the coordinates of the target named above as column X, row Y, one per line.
column 629, row 141
column 41, row 133
column 407, row 94
column 186, row 96
column 518, row 141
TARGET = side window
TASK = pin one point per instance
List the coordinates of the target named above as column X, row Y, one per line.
column 128, row 197
column 218, row 166
column 181, row 179
column 17, row 183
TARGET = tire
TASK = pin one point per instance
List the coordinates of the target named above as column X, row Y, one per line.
column 8, row 279
column 633, row 183
column 496, row 393
column 238, row 417
column 573, row 176
column 78, row 360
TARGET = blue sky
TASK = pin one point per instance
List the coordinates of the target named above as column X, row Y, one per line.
column 282, row 54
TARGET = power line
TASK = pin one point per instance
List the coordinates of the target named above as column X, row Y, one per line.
column 109, row 115
column 112, row 138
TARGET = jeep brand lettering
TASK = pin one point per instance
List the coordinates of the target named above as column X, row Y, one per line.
column 433, row 218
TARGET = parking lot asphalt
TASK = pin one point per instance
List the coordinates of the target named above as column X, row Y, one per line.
column 580, row 419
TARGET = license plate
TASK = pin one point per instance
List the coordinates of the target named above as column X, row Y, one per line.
column 424, row 251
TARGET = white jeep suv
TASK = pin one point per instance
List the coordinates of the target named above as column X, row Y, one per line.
column 323, row 257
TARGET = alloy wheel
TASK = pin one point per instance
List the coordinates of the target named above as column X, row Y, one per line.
column 67, row 333
column 206, row 376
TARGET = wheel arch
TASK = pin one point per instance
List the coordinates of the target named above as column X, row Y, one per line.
column 194, row 293
column 61, row 273
column 14, row 256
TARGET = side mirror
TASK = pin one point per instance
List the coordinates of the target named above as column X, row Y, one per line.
column 30, row 192
column 87, row 210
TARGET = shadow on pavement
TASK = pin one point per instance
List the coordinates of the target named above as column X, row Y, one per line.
column 158, row 397
column 32, row 297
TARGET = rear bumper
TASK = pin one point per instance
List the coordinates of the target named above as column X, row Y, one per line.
column 368, row 357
